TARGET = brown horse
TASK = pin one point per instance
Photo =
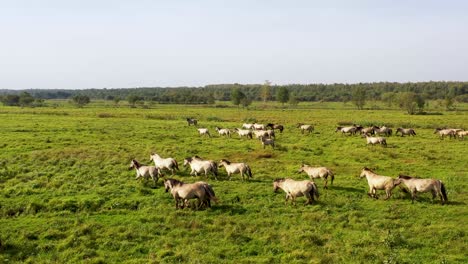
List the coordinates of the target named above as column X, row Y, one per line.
column 273, row 127
column 182, row 192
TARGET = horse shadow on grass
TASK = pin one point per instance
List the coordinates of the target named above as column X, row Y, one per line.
column 232, row 209
column 346, row 189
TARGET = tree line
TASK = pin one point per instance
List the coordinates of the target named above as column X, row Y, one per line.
column 243, row 94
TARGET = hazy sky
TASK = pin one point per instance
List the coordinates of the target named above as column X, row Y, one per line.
column 134, row 43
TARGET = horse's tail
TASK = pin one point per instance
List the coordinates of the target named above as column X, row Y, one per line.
column 214, row 167
column 332, row 176
column 443, row 191
column 249, row 171
column 176, row 165
column 314, row 191
column 210, row 192
column 413, row 132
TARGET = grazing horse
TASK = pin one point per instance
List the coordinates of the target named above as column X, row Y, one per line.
column 267, row 141
column 273, row 127
column 199, row 165
column 383, row 130
column 317, row 172
column 182, row 192
column 204, row 132
column 223, row 131
column 145, row 171
column 303, row 128
column 376, row 140
column 244, row 132
column 379, row 182
column 352, row 130
column 260, row 133
column 258, row 126
column 405, row 131
column 414, row 185
column 192, row 121
column 232, row 168
column 445, row 132
column 294, row 189
column 247, row 126
column 168, row 163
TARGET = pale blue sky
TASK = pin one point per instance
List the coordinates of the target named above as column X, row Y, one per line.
column 113, row 44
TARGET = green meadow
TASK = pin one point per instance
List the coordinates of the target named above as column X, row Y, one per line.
column 67, row 194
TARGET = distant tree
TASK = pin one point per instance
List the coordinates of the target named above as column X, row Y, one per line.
column 265, row 93
column 26, row 99
column 245, row 102
column 359, row 97
column 293, row 100
column 116, row 101
column 10, row 100
column 237, row 96
column 388, row 98
column 81, row 100
column 210, row 99
column 411, row 102
column 282, row 95
column 449, row 102
column 133, row 100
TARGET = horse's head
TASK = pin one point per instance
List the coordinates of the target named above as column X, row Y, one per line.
column 364, row 172
column 133, row 164
column 301, row 169
column 299, row 125
column 276, row 184
column 437, row 130
column 338, row 129
column 187, row 161
column 167, row 185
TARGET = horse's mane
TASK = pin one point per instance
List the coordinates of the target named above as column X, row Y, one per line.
column 225, row 160
column 367, row 169
column 407, row 177
column 137, row 164
column 279, row 179
column 189, row 159
column 174, row 181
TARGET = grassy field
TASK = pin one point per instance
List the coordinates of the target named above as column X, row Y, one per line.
column 67, row 195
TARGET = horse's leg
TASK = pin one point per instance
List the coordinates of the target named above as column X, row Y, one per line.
column 326, row 182
column 388, row 191
column 413, row 195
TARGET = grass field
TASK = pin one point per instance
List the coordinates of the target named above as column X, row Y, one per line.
column 67, row 195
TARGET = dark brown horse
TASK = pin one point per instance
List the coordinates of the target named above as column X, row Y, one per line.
column 273, row 126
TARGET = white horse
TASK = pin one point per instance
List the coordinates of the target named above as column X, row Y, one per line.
column 383, row 130
column 317, row 172
column 379, row 182
column 462, row 133
column 308, row 128
column 414, row 185
column 258, row 126
column 260, row 133
column 267, row 141
column 223, row 131
column 352, row 130
column 294, row 189
column 376, row 140
column 232, row 168
column 199, row 165
column 204, row 132
column 146, row 172
column 182, row 192
column 168, row 163
column 244, row 132
column 405, row 131
column 247, row 126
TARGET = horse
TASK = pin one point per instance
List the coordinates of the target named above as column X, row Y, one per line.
column 376, row 140
column 168, row 163
column 247, row 126
column 182, row 192
column 273, row 127
column 199, row 165
column 303, row 128
column 267, row 141
column 232, row 168
column 318, row 172
column 405, row 131
column 352, row 130
column 260, row 133
column 192, row 121
column 383, row 130
column 414, row 185
column 145, row 171
column 445, row 132
column 462, row 133
column 223, row 131
column 294, row 189
column 244, row 132
column 368, row 130
column 258, row 126
column 379, row 182
column 204, row 132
